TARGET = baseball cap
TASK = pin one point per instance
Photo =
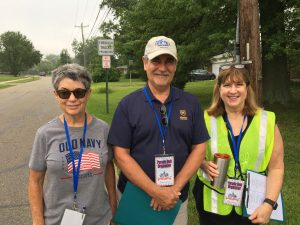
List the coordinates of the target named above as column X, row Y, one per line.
column 160, row 45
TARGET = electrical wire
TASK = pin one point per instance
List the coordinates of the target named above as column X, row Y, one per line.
column 94, row 23
column 102, row 21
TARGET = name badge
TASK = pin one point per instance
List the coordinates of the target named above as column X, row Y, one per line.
column 72, row 217
column 164, row 170
column 234, row 190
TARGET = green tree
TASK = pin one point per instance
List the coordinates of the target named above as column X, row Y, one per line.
column 49, row 63
column 65, row 57
column 278, row 38
column 17, row 53
column 77, row 49
column 200, row 29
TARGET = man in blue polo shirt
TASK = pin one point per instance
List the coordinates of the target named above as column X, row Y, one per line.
column 158, row 133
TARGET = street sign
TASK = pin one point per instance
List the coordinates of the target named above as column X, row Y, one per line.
column 106, row 47
column 105, row 62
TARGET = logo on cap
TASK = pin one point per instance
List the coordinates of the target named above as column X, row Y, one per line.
column 162, row 43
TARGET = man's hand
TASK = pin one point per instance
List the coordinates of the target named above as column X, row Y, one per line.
column 165, row 198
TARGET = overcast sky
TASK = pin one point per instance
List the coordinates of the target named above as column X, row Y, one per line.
column 50, row 25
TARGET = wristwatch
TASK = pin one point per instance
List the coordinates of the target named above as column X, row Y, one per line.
column 272, row 203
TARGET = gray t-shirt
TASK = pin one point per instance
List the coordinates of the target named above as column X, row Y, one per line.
column 50, row 154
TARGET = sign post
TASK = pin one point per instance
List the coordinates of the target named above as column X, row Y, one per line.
column 106, row 49
column 130, row 63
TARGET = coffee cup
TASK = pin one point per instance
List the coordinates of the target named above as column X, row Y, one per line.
column 222, row 161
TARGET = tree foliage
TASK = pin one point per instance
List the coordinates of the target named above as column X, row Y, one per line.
column 65, row 57
column 47, row 64
column 202, row 29
column 17, row 53
column 188, row 22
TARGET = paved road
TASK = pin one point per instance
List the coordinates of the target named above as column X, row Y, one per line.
column 23, row 108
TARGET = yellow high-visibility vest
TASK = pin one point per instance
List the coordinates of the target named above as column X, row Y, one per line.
column 255, row 152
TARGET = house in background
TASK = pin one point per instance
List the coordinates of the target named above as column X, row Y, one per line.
column 220, row 60
column 123, row 69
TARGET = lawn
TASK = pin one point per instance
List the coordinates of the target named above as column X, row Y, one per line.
column 288, row 120
column 13, row 80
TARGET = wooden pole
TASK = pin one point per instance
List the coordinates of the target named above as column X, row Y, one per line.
column 250, row 33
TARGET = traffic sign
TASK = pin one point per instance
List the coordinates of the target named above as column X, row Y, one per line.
column 106, row 47
column 105, row 62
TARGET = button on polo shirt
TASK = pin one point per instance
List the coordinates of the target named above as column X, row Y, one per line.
column 135, row 127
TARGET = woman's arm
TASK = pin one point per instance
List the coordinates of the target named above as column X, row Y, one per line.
column 274, row 180
column 35, row 193
column 110, row 182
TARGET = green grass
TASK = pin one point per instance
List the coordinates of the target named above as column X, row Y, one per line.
column 9, row 77
column 117, row 90
column 13, row 80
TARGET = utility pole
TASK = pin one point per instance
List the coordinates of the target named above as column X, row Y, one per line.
column 83, row 44
column 250, row 43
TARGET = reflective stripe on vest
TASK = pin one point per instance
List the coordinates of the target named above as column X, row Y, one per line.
column 262, row 138
column 214, row 149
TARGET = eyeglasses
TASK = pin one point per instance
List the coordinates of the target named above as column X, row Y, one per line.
column 65, row 93
column 164, row 116
column 237, row 66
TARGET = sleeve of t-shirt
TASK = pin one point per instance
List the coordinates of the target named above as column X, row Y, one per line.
column 200, row 133
column 120, row 129
column 37, row 159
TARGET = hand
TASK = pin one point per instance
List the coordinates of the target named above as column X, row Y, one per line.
column 210, row 168
column 154, row 204
column 165, row 198
column 262, row 214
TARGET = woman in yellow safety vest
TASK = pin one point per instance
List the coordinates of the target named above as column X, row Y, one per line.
column 249, row 134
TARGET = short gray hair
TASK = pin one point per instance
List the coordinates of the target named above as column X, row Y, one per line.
column 72, row 71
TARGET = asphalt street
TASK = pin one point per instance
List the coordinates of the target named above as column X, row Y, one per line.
column 23, row 109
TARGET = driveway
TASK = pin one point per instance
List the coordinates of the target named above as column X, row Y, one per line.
column 23, row 109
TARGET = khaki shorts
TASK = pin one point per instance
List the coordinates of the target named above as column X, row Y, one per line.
column 182, row 218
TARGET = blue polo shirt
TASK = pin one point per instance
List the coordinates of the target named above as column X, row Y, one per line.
column 134, row 126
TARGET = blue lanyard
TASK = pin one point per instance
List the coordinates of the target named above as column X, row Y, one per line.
column 162, row 131
column 75, row 172
column 236, row 145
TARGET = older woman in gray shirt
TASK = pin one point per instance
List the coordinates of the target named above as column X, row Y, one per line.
column 72, row 177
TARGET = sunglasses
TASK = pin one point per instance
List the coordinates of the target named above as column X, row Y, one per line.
column 237, row 66
column 164, row 115
column 65, row 93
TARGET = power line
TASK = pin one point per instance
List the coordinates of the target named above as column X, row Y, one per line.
column 95, row 7
column 102, row 20
column 94, row 22
column 84, row 12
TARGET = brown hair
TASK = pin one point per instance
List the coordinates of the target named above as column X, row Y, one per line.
column 233, row 74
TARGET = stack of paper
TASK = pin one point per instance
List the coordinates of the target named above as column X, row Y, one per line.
column 255, row 194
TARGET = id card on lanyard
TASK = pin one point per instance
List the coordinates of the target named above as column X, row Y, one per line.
column 164, row 163
column 234, row 188
column 73, row 216
column 164, row 170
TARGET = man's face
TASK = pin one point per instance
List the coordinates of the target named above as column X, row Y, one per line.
column 160, row 71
